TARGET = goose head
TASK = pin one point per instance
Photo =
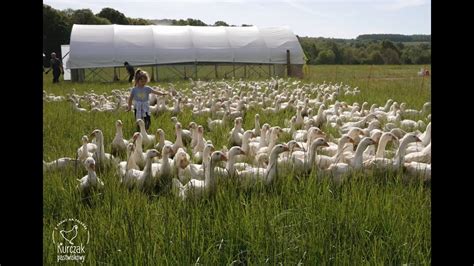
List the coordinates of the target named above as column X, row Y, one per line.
column 218, row 156
column 235, row 150
column 192, row 125
column 167, row 150
column 293, row 145
column 152, row 153
column 319, row 142
column 410, row 137
column 90, row 163
column 97, row 134
column 174, row 119
column 277, row 149
column 182, row 159
column 118, row 124
column 160, row 133
column 365, row 142
column 346, row 139
column 399, row 133
column 141, row 123
column 85, row 139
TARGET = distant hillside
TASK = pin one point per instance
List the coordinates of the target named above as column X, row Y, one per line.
column 394, row 37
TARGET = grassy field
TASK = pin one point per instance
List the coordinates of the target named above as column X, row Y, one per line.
column 370, row 219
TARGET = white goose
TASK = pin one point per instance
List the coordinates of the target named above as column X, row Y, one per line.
column 199, row 148
column 124, row 167
column 60, row 163
column 267, row 175
column 163, row 169
column 325, row 161
column 337, row 170
column 416, row 169
column 147, row 140
column 197, row 188
column 138, row 154
column 256, row 130
column 100, row 155
column 423, row 156
column 179, row 141
column 91, row 180
column 160, row 135
column 144, row 180
column 196, row 171
column 304, row 164
column 398, row 160
column 86, row 149
column 236, row 135
column 119, row 145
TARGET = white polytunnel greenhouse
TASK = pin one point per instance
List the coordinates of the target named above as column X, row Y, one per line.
column 185, row 50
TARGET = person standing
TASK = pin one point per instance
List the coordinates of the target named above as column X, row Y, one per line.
column 130, row 70
column 139, row 96
column 56, row 66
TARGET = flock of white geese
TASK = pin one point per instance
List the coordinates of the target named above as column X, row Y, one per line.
column 368, row 136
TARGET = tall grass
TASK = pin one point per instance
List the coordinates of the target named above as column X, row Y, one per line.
column 373, row 218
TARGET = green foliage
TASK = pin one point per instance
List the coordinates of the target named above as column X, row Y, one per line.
column 221, row 23
column 189, row 21
column 138, row 21
column 326, row 57
column 85, row 16
column 56, row 29
column 114, row 16
column 376, row 58
column 395, row 37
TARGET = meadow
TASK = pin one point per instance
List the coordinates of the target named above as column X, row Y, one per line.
column 369, row 219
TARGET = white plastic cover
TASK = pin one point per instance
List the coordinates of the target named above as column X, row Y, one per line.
column 65, row 60
column 111, row 45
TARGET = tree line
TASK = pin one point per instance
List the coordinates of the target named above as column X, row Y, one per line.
column 365, row 49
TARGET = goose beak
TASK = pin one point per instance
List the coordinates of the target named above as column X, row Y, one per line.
column 223, row 157
column 242, row 152
column 418, row 139
column 325, row 144
column 92, row 166
column 351, row 140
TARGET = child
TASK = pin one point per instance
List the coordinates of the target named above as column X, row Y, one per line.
column 139, row 94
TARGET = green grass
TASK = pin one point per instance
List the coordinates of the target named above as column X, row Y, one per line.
column 371, row 219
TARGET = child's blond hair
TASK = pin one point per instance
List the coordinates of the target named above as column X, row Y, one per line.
column 140, row 74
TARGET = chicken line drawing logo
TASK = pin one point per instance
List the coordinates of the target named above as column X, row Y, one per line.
column 70, row 237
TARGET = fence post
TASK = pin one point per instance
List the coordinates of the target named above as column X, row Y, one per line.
column 288, row 66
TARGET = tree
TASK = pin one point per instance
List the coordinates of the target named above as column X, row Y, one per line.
column 326, row 57
column 376, row 58
column 114, row 16
column 391, row 57
column 221, row 23
column 85, row 16
column 138, row 21
column 56, row 30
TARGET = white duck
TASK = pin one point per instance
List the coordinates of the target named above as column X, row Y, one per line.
column 197, row 188
column 91, row 180
column 119, row 145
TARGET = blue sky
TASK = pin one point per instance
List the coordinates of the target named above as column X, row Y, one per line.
column 315, row 18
